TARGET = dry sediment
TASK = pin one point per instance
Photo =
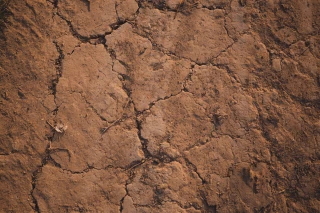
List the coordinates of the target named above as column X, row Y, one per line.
column 170, row 106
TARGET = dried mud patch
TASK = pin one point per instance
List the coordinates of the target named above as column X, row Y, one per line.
column 160, row 106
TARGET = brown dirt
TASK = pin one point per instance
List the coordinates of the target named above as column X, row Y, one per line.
column 160, row 106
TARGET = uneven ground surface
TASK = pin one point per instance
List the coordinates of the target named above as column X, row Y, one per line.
column 160, row 106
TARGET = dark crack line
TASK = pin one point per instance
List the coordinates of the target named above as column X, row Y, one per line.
column 127, row 90
column 86, row 170
column 55, row 81
column 122, row 118
column 184, row 89
column 184, row 7
column 34, row 200
column 122, row 199
column 160, row 99
column 86, row 39
column 230, row 73
column 171, row 53
column 47, row 158
column 54, row 3
column 207, row 207
column 92, row 107
column 116, row 9
column 88, row 4
column 130, row 180
column 83, row 39
column 193, row 168
column 143, row 141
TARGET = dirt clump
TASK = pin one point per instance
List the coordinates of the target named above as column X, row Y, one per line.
column 160, row 106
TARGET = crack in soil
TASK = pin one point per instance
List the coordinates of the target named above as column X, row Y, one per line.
column 127, row 194
column 193, row 168
column 264, row 117
column 88, row 4
column 47, row 158
column 171, row 53
column 83, row 39
column 86, row 39
column 58, row 64
column 92, row 107
column 128, row 91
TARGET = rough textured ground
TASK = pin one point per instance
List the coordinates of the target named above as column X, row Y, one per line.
column 170, row 106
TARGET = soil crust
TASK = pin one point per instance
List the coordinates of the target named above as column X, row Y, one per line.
column 160, row 106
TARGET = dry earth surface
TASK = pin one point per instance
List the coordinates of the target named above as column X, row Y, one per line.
column 160, row 106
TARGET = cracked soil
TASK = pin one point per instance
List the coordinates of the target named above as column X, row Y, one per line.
column 193, row 106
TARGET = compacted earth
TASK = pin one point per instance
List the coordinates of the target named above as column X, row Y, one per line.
column 160, row 106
